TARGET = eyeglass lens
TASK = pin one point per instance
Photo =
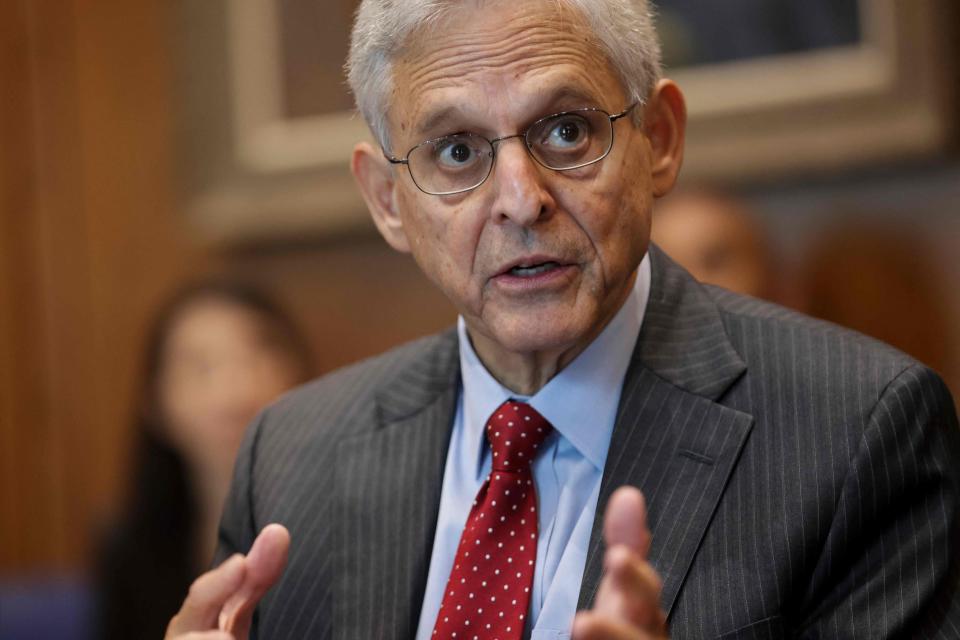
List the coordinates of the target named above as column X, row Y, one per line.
column 462, row 161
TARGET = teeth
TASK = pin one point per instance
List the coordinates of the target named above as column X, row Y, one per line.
column 534, row 270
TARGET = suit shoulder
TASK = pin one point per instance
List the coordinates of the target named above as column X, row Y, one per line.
column 745, row 315
column 346, row 398
column 782, row 341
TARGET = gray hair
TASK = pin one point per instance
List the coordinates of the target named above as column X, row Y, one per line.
column 623, row 30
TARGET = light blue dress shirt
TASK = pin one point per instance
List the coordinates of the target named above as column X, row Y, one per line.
column 581, row 404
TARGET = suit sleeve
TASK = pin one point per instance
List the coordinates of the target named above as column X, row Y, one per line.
column 891, row 564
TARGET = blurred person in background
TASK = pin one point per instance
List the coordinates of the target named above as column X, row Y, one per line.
column 717, row 239
column 218, row 352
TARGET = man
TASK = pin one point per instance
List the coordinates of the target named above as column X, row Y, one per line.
column 486, row 483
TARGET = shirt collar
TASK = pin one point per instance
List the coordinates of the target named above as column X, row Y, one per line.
column 581, row 401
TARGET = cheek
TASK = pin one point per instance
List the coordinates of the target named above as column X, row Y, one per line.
column 628, row 203
column 630, row 233
column 612, row 215
column 181, row 408
column 443, row 236
column 178, row 398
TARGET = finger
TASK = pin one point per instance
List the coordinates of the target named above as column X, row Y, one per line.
column 589, row 625
column 630, row 590
column 207, row 635
column 206, row 597
column 264, row 566
column 625, row 521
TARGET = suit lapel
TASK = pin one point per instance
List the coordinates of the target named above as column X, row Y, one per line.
column 386, row 519
column 672, row 439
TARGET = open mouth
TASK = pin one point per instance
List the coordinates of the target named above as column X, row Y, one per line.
column 525, row 271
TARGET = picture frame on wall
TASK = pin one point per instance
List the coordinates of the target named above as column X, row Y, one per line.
column 884, row 99
column 266, row 127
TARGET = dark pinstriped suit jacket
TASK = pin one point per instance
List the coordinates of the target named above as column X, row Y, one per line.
column 802, row 480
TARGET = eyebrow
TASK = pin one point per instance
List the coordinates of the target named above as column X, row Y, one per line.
column 573, row 97
column 439, row 117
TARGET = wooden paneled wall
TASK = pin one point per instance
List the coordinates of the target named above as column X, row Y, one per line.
column 87, row 241
column 20, row 373
column 90, row 242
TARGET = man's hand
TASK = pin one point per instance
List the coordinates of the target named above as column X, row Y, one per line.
column 221, row 602
column 627, row 606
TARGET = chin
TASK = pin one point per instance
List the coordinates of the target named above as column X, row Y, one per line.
column 547, row 335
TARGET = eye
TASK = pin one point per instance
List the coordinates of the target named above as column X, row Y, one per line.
column 455, row 152
column 567, row 132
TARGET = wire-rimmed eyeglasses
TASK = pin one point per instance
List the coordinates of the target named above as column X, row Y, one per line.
column 460, row 162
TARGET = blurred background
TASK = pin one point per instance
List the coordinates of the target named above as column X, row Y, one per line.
column 148, row 145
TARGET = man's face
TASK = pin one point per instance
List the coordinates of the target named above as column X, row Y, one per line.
column 494, row 72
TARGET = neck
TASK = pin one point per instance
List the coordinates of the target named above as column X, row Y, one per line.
column 522, row 373
column 526, row 372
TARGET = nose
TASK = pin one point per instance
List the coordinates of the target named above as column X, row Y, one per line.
column 521, row 191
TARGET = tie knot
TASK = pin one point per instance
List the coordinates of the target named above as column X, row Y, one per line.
column 515, row 431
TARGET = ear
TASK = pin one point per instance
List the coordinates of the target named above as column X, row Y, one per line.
column 665, row 123
column 376, row 180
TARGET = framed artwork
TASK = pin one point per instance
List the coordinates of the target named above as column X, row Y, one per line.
column 266, row 127
column 859, row 83
column 774, row 88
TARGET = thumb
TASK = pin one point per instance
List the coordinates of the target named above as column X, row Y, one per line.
column 264, row 566
column 208, row 593
column 625, row 521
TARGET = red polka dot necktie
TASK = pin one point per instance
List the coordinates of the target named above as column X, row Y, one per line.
column 488, row 593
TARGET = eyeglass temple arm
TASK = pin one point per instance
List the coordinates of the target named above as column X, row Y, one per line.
column 393, row 160
column 624, row 112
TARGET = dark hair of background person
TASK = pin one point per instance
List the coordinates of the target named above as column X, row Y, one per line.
column 147, row 560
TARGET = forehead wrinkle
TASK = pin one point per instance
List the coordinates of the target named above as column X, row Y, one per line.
column 455, row 76
column 441, row 102
column 524, row 49
column 450, row 64
column 525, row 53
